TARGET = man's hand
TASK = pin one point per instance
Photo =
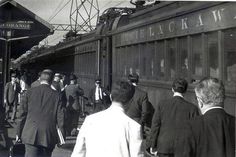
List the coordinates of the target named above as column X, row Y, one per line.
column 153, row 152
column 18, row 140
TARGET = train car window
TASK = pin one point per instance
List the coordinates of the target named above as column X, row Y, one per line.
column 143, row 60
column 160, row 60
column 117, row 60
column 171, row 58
column 197, row 54
column 150, row 55
column 184, row 60
column 122, row 62
column 125, row 62
column 229, row 56
column 213, row 56
column 129, row 60
column 136, row 58
column 88, row 59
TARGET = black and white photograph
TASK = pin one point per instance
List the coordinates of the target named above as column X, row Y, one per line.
column 117, row 78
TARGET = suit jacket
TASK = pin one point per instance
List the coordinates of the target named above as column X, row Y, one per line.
column 56, row 86
column 209, row 135
column 105, row 93
column 109, row 133
column 11, row 95
column 36, row 83
column 140, row 109
column 168, row 122
column 73, row 91
column 41, row 114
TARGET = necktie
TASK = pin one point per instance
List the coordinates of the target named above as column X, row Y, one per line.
column 14, row 86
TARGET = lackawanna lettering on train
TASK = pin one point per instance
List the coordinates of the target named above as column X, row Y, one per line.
column 201, row 21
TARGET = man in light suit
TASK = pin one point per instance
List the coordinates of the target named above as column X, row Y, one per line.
column 42, row 113
column 169, row 120
column 12, row 89
column 111, row 133
column 213, row 133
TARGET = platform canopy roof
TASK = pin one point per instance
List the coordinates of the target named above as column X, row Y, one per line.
column 21, row 27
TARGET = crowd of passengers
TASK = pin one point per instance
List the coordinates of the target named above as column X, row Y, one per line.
column 122, row 122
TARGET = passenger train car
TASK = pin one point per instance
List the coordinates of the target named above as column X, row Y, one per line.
column 161, row 42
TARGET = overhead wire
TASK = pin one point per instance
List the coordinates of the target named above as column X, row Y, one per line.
column 59, row 5
column 59, row 10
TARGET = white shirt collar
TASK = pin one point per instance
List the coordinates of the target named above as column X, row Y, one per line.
column 178, row 94
column 212, row 108
column 44, row 83
column 116, row 106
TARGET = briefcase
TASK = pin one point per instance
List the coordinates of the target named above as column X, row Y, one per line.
column 17, row 150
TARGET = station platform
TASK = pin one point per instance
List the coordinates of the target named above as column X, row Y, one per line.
column 63, row 151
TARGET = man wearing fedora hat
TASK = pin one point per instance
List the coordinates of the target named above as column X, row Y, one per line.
column 11, row 91
column 73, row 92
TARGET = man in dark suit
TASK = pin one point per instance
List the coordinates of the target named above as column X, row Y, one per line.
column 169, row 119
column 99, row 97
column 213, row 133
column 73, row 108
column 139, row 109
column 12, row 89
column 42, row 113
column 56, row 82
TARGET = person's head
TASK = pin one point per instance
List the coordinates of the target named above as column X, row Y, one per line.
column 122, row 92
column 98, row 81
column 46, row 76
column 13, row 77
column 73, row 79
column 63, row 77
column 133, row 78
column 210, row 92
column 57, row 77
column 179, row 85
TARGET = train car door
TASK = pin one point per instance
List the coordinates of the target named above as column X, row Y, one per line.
column 105, row 62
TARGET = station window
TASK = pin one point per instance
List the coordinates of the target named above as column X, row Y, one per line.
column 213, row 55
column 160, row 60
column 229, row 56
column 184, row 60
column 197, row 55
column 171, row 58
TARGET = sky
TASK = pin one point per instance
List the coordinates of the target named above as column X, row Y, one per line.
column 46, row 9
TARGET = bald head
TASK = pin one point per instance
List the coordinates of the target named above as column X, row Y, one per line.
column 46, row 76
